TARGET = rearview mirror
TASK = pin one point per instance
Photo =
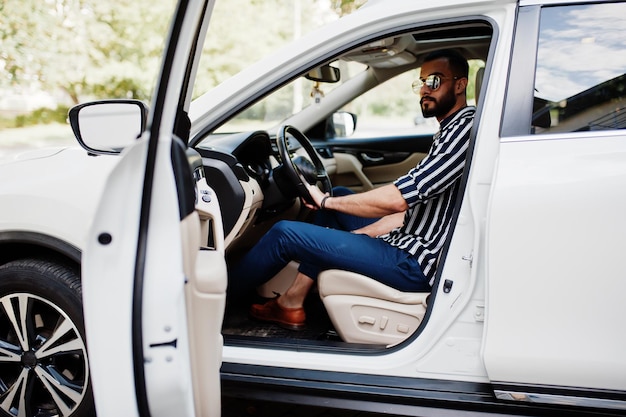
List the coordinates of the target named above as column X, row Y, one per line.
column 108, row 126
column 324, row 74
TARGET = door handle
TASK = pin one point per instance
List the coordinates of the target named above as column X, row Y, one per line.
column 368, row 158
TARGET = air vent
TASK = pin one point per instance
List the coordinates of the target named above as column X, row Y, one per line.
column 326, row 153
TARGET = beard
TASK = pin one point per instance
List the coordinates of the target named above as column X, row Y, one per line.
column 432, row 107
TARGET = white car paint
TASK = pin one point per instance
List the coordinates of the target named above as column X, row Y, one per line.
column 521, row 311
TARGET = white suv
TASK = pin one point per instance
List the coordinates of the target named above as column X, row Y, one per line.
column 524, row 315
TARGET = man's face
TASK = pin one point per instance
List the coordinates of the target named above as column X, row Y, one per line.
column 438, row 102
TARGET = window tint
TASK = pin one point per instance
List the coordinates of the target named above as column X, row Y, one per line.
column 580, row 80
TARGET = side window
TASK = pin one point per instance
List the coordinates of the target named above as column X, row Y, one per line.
column 390, row 109
column 393, row 109
column 580, row 79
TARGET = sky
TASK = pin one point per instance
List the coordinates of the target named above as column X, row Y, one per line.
column 577, row 51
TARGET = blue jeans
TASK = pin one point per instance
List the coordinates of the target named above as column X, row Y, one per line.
column 323, row 246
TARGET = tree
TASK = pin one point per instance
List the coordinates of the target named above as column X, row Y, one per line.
column 261, row 26
column 109, row 49
column 32, row 32
column 82, row 47
column 344, row 7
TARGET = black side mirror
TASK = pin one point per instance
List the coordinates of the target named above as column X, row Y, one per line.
column 344, row 123
column 340, row 124
column 108, row 126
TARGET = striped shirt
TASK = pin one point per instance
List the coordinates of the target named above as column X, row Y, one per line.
column 431, row 190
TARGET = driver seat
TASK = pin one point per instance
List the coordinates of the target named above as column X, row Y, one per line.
column 364, row 310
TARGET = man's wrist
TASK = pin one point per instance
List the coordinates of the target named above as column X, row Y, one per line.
column 323, row 202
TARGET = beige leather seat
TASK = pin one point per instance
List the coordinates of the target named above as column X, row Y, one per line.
column 361, row 309
column 364, row 310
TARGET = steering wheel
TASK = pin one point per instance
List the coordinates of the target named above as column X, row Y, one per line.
column 300, row 168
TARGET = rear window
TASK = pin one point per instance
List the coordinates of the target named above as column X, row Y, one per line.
column 580, row 79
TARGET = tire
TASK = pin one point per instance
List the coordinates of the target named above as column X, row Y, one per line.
column 43, row 356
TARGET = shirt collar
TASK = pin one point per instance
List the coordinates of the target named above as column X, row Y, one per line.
column 453, row 116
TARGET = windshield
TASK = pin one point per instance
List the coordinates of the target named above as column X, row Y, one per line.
column 262, row 27
column 287, row 101
column 391, row 107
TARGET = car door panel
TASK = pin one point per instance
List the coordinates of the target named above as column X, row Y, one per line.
column 116, row 258
column 381, row 174
column 351, row 173
column 166, row 354
column 108, row 268
column 205, row 294
column 554, row 239
column 151, row 249
column 366, row 163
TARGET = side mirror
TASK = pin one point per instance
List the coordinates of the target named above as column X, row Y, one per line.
column 344, row 123
column 324, row 74
column 108, row 126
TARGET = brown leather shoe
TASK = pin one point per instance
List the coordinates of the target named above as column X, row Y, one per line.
column 289, row 318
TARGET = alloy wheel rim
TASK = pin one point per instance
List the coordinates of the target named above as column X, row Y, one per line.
column 43, row 358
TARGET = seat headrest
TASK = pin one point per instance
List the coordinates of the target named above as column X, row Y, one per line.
column 478, row 84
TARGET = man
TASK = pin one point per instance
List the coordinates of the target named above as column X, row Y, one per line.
column 394, row 233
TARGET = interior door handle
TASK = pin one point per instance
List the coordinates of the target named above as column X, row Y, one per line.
column 368, row 158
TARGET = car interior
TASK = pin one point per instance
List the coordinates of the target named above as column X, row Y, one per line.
column 246, row 171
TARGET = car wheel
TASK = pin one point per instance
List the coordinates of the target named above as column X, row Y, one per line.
column 43, row 355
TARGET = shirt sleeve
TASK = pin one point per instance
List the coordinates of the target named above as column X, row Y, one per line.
column 442, row 166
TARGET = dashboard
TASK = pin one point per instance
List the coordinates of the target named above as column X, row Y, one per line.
column 242, row 170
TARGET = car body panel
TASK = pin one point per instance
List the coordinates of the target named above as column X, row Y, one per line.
column 107, row 272
column 539, row 327
column 64, row 201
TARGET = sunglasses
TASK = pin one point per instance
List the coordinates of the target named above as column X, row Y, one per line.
column 433, row 82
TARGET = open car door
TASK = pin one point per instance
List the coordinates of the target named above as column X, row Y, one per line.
column 148, row 254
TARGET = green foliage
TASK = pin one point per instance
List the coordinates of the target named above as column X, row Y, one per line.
column 261, row 27
column 93, row 49
column 120, row 87
column 105, row 49
column 80, row 46
column 344, row 7
column 6, row 122
column 42, row 116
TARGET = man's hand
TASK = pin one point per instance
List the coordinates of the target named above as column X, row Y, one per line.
column 316, row 194
column 382, row 226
